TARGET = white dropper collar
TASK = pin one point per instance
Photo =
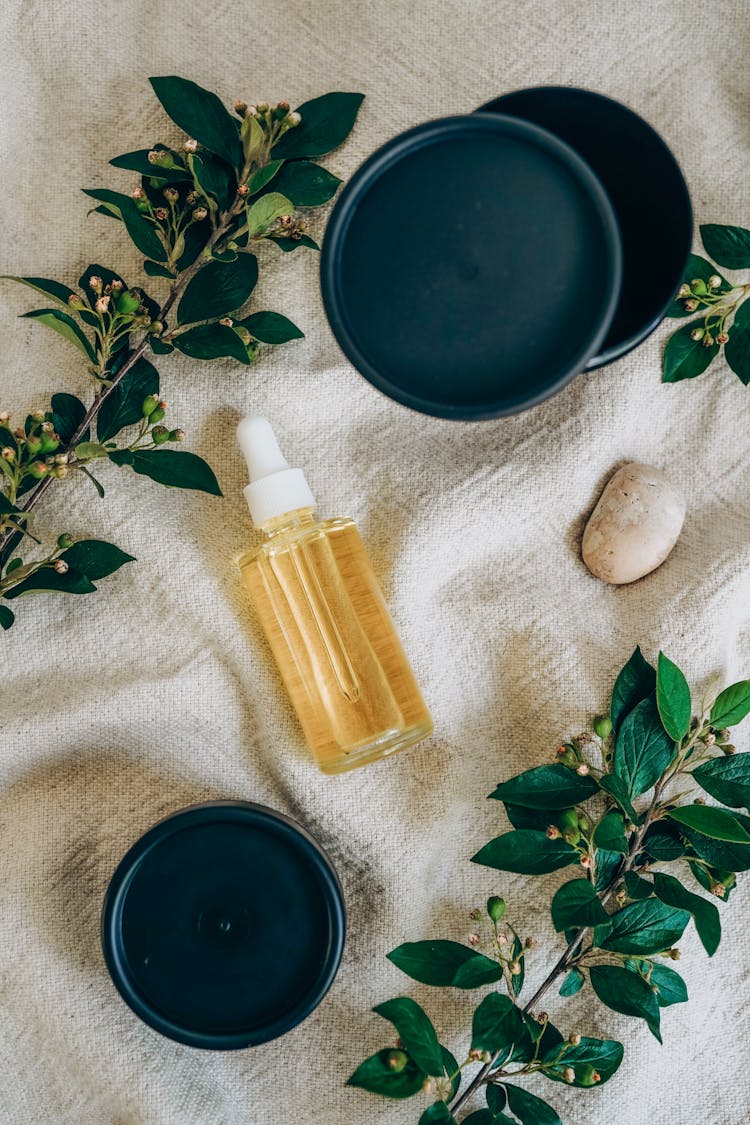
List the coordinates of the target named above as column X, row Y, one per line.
column 274, row 488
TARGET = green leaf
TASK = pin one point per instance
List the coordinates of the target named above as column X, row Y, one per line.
column 445, row 964
column 628, row 993
column 516, row 953
column 737, row 347
column 485, row 1117
column 46, row 578
column 7, row 617
column 326, row 123
column 573, row 983
column 139, row 162
column 142, row 232
column 610, row 834
column 697, row 267
column 732, row 705
column 375, row 1075
column 95, row 558
column 607, row 865
column 540, row 819
column 495, row 1024
column 271, row 328
column 527, row 852
column 528, row 1108
column 153, row 269
column 52, row 289
column 122, row 406
column 452, row 1070
column 705, row 914
column 306, row 183
column 201, row 115
column 685, row 358
column 709, row 821
column 729, row 246
column 175, row 468
column 159, row 347
column 726, row 779
column 637, row 887
column 263, row 176
column 636, row 682
column 496, row 1098
column 663, row 842
column 603, row 1054
column 671, row 987
column 576, row 904
column 720, row 853
column 416, row 1032
column 67, row 414
column 672, row 698
column 289, row 244
column 65, row 325
column 263, row 212
column 643, row 749
column 212, row 341
column 546, row 787
column 617, row 788
column 218, row 288
column 644, row 927
column 214, row 178
column 90, row 451
column 437, row 1114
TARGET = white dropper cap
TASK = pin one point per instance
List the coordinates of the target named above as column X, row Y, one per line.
column 274, row 488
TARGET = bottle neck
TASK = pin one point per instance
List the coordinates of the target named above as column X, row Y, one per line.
column 287, row 521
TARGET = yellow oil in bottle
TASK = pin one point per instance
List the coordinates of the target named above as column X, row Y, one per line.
column 325, row 618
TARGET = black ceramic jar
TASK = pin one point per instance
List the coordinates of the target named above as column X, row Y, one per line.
column 473, row 265
column 223, row 926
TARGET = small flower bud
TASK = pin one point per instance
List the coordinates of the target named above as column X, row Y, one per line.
column 515, row 967
column 583, row 769
column 690, row 305
column 102, row 304
column 286, row 220
column 226, row 321
column 61, row 458
column 718, row 889
column 251, row 111
column 475, row 1055
column 543, row 1017
column 159, row 435
column 95, row 283
column 475, row 914
column 150, row 404
column 429, row 1086
column 710, row 738
column 61, row 567
column 708, row 340
column 569, row 1074
column 294, row 118
column 161, row 213
column 192, row 197
column 76, row 302
column 176, row 435
column 243, row 190
column 34, row 444
column 138, row 193
column 585, row 860
column 722, row 338
column 603, row 726
column 8, row 454
column 263, row 107
column 674, row 954
column 552, row 832
column 530, row 943
column 241, row 108
column 729, row 749
column 190, row 145
column 4, row 416
column 699, row 801
column 64, row 541
column 697, row 334
column 200, row 213
column 38, row 469
column 171, row 194
column 723, row 735
column 283, row 107
column 156, row 328
column 244, row 335
column 59, row 472
column 128, row 302
column 397, row 1060
column 714, row 281
column 496, row 908
column 473, row 939
column 574, row 1038
column 698, row 285
column 684, row 290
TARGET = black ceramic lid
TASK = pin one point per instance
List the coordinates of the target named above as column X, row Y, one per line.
column 471, row 266
column 223, row 926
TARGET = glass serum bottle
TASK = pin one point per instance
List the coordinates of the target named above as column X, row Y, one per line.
column 322, row 611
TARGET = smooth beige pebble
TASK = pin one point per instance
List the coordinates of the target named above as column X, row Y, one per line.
column 634, row 526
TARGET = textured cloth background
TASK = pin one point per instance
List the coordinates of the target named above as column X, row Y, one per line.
column 159, row 691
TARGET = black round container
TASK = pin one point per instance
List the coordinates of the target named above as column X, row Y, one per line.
column 223, row 926
column 471, row 266
column 647, row 189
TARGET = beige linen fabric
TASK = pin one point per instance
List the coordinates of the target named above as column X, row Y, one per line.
column 159, row 691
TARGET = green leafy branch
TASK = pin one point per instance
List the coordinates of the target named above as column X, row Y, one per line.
column 722, row 308
column 199, row 216
column 605, row 807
